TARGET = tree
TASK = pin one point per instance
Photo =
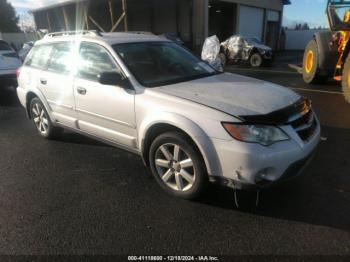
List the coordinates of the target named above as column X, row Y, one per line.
column 9, row 18
column 300, row 26
column 305, row 26
column 297, row 26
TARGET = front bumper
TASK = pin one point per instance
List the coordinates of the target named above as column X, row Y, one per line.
column 268, row 55
column 246, row 165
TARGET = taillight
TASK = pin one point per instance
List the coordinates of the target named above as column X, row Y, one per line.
column 18, row 72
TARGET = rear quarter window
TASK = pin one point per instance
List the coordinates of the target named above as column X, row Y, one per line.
column 39, row 56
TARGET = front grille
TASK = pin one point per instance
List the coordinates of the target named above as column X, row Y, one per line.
column 305, row 126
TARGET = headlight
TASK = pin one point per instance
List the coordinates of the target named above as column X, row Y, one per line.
column 261, row 134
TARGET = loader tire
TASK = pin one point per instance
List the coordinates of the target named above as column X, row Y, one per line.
column 346, row 79
column 311, row 64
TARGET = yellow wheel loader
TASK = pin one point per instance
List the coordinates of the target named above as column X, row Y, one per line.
column 328, row 53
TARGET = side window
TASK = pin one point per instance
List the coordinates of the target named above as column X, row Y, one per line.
column 94, row 60
column 62, row 58
column 39, row 56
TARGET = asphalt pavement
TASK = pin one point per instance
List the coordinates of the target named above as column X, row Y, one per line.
column 77, row 196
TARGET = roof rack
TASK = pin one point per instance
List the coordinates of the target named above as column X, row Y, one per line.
column 69, row 33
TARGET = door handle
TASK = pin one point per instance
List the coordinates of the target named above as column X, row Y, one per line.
column 81, row 90
column 43, row 81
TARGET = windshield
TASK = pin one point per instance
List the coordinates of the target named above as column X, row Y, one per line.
column 162, row 63
column 253, row 40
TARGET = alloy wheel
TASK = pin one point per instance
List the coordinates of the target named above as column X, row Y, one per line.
column 256, row 60
column 40, row 118
column 175, row 167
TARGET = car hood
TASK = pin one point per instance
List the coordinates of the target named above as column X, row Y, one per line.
column 260, row 47
column 234, row 94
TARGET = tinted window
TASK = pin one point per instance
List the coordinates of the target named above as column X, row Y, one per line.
column 4, row 46
column 94, row 60
column 39, row 56
column 62, row 58
column 161, row 63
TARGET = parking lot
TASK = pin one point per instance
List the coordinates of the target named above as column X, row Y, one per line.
column 78, row 196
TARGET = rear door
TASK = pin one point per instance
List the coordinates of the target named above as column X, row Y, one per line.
column 56, row 82
column 34, row 64
column 105, row 111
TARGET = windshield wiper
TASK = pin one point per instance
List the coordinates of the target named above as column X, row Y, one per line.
column 183, row 79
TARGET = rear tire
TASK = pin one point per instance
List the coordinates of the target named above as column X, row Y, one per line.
column 42, row 121
column 311, row 74
column 346, row 79
column 177, row 165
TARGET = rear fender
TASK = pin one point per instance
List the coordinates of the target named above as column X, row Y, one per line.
column 40, row 95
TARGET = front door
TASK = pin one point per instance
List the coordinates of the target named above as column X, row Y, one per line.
column 105, row 111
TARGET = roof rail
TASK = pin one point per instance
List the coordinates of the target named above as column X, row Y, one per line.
column 69, row 33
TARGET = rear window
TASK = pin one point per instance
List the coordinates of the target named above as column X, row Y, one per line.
column 5, row 46
column 39, row 56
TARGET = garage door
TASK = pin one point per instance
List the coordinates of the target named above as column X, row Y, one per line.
column 251, row 21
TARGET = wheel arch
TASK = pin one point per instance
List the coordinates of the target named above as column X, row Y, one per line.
column 154, row 126
column 31, row 94
column 29, row 97
column 253, row 51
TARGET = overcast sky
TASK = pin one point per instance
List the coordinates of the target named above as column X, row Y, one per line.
column 310, row 11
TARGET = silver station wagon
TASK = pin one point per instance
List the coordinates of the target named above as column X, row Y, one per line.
column 190, row 124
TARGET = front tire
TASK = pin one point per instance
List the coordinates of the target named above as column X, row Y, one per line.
column 42, row 120
column 346, row 79
column 256, row 60
column 177, row 166
column 311, row 74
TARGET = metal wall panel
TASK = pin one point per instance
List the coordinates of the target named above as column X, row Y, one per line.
column 251, row 21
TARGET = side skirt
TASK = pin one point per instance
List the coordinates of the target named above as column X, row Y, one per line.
column 106, row 141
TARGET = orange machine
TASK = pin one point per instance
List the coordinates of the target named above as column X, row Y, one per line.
column 327, row 54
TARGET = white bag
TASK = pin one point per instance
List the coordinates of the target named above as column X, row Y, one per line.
column 210, row 52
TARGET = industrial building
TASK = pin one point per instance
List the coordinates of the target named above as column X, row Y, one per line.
column 192, row 20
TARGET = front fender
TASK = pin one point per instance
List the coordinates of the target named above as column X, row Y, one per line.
column 200, row 138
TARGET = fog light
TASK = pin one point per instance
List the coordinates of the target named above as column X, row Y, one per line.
column 262, row 176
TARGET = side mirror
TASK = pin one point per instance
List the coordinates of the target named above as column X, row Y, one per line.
column 114, row 79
